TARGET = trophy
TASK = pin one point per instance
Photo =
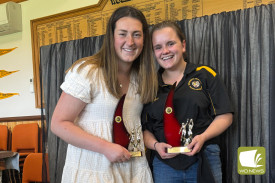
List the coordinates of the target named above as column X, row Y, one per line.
column 178, row 136
column 120, row 134
column 134, row 145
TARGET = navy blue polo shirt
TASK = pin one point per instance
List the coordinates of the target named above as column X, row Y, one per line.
column 200, row 95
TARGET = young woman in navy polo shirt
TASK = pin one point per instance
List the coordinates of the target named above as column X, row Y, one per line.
column 201, row 106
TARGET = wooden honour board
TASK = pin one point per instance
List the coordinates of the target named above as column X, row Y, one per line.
column 91, row 21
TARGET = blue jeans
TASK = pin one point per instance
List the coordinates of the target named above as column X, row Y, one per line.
column 166, row 174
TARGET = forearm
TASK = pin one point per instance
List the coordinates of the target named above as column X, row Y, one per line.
column 76, row 136
column 219, row 125
column 149, row 139
column 67, row 110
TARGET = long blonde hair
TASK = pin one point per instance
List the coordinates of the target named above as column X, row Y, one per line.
column 143, row 67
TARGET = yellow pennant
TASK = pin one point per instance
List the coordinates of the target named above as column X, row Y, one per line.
column 7, row 95
column 4, row 73
column 5, row 51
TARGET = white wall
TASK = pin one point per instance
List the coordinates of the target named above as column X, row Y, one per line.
column 21, row 58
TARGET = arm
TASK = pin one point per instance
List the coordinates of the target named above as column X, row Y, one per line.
column 219, row 125
column 62, row 124
column 151, row 143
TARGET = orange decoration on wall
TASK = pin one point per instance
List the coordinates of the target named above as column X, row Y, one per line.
column 4, row 73
column 7, row 95
column 5, row 51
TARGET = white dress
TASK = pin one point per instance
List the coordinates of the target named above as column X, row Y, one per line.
column 84, row 166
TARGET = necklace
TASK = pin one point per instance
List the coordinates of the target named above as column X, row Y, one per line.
column 120, row 85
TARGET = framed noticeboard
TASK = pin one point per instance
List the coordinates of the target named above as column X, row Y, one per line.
column 91, row 21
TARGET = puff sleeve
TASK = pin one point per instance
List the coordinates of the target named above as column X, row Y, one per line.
column 77, row 84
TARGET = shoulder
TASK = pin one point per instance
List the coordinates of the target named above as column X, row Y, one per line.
column 84, row 69
column 203, row 74
column 206, row 70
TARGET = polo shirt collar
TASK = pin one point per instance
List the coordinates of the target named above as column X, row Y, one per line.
column 190, row 67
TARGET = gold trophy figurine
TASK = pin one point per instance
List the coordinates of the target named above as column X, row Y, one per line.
column 134, row 145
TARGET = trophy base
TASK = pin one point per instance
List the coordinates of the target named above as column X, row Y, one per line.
column 136, row 153
column 177, row 150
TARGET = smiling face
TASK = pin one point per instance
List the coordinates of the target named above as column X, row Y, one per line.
column 168, row 48
column 128, row 39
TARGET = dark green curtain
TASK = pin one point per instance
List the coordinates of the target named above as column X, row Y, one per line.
column 239, row 44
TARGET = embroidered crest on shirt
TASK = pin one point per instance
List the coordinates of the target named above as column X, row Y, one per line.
column 195, row 84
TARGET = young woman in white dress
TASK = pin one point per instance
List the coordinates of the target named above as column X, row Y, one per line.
column 92, row 88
